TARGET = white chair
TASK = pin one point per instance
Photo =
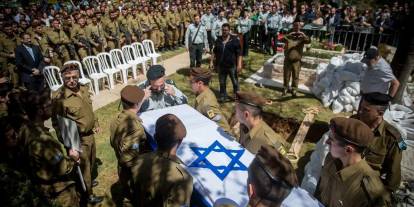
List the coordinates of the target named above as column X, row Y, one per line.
column 133, row 58
column 105, row 65
column 140, row 51
column 119, row 62
column 91, row 64
column 82, row 80
column 53, row 77
column 150, row 51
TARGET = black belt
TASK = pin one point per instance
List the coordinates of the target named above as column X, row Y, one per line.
column 197, row 43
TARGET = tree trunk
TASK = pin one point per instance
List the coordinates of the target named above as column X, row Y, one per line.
column 406, row 71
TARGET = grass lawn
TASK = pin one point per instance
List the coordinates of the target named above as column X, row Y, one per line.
column 286, row 109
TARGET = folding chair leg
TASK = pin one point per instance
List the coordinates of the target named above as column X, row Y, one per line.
column 154, row 61
column 134, row 71
column 111, row 81
column 144, row 69
column 125, row 76
column 96, row 86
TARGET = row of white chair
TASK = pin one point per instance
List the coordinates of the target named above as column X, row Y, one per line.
column 107, row 65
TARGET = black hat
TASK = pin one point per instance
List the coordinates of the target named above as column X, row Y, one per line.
column 377, row 98
column 155, row 72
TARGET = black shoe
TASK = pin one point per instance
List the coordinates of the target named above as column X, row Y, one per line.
column 93, row 199
column 284, row 92
column 95, row 183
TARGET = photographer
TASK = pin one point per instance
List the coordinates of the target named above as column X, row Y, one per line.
column 159, row 92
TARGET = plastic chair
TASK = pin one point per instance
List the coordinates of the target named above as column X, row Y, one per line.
column 53, row 77
column 150, row 51
column 105, row 64
column 91, row 64
column 82, row 80
column 134, row 59
column 119, row 62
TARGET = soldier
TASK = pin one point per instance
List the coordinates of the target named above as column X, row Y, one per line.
column 145, row 23
column 124, row 26
column 346, row 178
column 183, row 19
column 49, row 168
column 80, row 39
column 294, row 43
column 114, row 37
column 206, row 102
column 135, row 26
column 154, row 34
column 262, row 18
column 58, row 40
column 218, row 23
column 8, row 43
column 272, row 181
column 174, row 23
column 158, row 177
column 128, row 136
column 95, row 34
column 196, row 42
column 385, row 151
column 254, row 132
column 39, row 38
column 160, row 93
column 164, row 37
column 73, row 102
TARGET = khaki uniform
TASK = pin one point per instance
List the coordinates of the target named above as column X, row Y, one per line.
column 185, row 21
column 111, row 29
column 78, row 35
column 260, row 135
column 164, row 37
column 128, row 140
column 155, row 35
column 41, row 41
column 50, row 168
column 160, row 180
column 353, row 186
column 135, row 27
column 124, row 28
column 385, row 155
column 57, row 39
column 293, row 55
column 145, row 24
column 174, row 23
column 78, row 107
column 206, row 103
column 7, row 47
column 95, row 34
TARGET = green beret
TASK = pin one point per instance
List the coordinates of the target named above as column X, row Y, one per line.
column 155, row 72
column 352, row 131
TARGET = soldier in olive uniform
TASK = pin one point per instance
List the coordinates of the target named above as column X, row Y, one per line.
column 124, row 26
column 294, row 43
column 114, row 38
column 254, row 132
column 73, row 102
column 206, row 102
column 385, row 151
column 145, row 23
column 39, row 38
column 48, row 166
column 95, row 34
column 155, row 35
column 174, row 22
column 159, row 178
column 346, row 178
column 164, row 37
column 80, row 39
column 128, row 136
column 58, row 40
column 8, row 43
column 135, row 26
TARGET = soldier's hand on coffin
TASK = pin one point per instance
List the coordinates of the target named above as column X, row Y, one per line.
column 74, row 155
column 169, row 89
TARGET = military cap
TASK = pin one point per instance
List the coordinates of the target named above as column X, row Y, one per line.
column 132, row 94
column 69, row 67
column 377, row 98
column 199, row 72
column 251, row 99
column 169, row 127
column 155, row 72
column 352, row 131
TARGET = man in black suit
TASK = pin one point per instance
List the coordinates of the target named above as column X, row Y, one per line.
column 30, row 63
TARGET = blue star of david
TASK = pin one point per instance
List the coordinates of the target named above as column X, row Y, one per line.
column 220, row 171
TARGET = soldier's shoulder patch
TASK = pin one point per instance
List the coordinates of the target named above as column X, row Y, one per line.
column 169, row 81
column 211, row 114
